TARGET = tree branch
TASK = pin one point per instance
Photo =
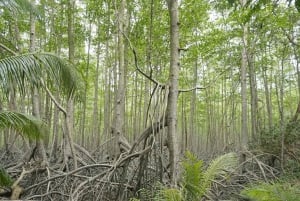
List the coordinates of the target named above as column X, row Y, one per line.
column 60, row 107
column 191, row 89
column 8, row 49
column 136, row 64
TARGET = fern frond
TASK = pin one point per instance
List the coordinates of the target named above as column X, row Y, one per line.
column 192, row 177
column 30, row 126
column 172, row 194
column 272, row 192
column 5, row 179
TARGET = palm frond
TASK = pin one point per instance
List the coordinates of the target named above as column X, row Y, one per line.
column 19, row 6
column 218, row 167
column 27, row 125
column 32, row 67
column 63, row 73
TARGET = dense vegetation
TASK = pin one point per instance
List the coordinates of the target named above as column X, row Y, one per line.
column 150, row 100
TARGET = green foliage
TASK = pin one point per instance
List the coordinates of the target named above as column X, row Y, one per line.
column 16, row 70
column 172, row 194
column 196, row 181
column 19, row 6
column 5, row 179
column 292, row 132
column 297, row 5
column 192, row 177
column 272, row 192
column 271, row 139
column 25, row 124
column 219, row 167
column 134, row 199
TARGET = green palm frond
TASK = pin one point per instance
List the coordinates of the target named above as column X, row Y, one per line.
column 19, row 6
column 218, row 167
column 27, row 125
column 32, row 67
column 63, row 73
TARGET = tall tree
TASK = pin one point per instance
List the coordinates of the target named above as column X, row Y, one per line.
column 244, row 64
column 69, row 116
column 173, row 89
column 119, row 142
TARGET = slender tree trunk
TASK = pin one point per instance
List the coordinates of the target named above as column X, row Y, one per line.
column 268, row 98
column 254, row 99
column 96, row 126
column 119, row 143
column 56, row 117
column 40, row 149
column 69, row 118
column 192, row 125
column 244, row 120
column 83, row 120
column 173, row 89
column 281, row 112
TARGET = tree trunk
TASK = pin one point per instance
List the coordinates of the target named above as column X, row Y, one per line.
column 268, row 98
column 83, row 120
column 173, row 89
column 254, row 99
column 39, row 145
column 69, row 150
column 193, row 106
column 96, row 122
column 244, row 120
column 119, row 143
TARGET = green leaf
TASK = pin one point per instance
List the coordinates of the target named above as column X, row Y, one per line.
column 172, row 194
column 16, row 70
column 219, row 166
column 5, row 179
column 19, row 6
column 192, row 177
column 272, row 192
column 27, row 125
column 297, row 5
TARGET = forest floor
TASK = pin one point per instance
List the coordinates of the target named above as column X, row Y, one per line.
column 122, row 179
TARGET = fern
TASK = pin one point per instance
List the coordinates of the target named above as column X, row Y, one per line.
column 272, row 192
column 192, row 177
column 195, row 180
column 172, row 194
column 5, row 179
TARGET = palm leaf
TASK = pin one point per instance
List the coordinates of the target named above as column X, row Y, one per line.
column 19, row 6
column 16, row 70
column 218, row 167
column 27, row 125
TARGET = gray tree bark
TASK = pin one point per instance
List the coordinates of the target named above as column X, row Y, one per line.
column 244, row 120
column 173, row 89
